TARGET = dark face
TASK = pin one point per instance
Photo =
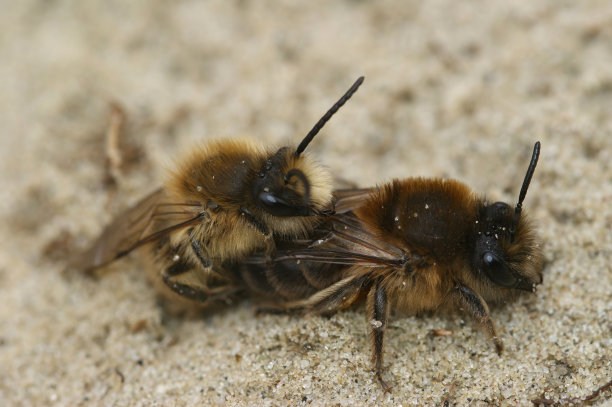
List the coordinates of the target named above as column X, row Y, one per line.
column 492, row 252
column 505, row 249
column 281, row 191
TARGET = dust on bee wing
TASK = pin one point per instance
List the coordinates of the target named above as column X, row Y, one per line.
column 343, row 240
column 150, row 219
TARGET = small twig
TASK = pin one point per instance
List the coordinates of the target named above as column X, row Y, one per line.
column 114, row 158
column 573, row 400
column 121, row 376
column 445, row 402
column 442, row 332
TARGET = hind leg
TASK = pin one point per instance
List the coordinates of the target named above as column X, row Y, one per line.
column 188, row 280
column 333, row 298
column 378, row 312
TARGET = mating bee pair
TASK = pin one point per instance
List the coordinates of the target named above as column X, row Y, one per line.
column 235, row 216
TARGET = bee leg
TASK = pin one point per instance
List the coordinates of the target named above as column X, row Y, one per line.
column 336, row 297
column 268, row 236
column 378, row 312
column 476, row 306
column 333, row 298
column 200, row 252
column 257, row 224
column 202, row 256
column 270, row 248
column 198, row 293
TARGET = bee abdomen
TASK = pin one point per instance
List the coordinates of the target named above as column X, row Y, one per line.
column 321, row 275
column 255, row 280
column 290, row 280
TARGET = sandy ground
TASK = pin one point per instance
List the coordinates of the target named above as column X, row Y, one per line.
column 454, row 89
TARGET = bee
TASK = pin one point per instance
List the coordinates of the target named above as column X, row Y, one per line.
column 415, row 245
column 222, row 201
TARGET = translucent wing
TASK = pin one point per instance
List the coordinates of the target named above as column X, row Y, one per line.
column 150, row 219
column 343, row 239
column 346, row 200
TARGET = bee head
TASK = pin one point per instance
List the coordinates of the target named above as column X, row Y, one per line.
column 290, row 183
column 291, row 186
column 506, row 249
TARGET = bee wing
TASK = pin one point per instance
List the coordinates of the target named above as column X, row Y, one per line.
column 150, row 219
column 346, row 200
column 342, row 239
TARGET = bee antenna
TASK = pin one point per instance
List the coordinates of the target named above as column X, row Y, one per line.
column 317, row 127
column 532, row 165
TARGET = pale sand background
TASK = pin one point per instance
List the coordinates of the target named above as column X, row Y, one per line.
column 456, row 89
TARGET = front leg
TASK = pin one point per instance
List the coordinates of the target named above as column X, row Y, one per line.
column 378, row 311
column 200, row 252
column 270, row 249
column 265, row 231
column 467, row 299
column 203, row 257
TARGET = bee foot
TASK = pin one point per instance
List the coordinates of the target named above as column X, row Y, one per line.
column 386, row 388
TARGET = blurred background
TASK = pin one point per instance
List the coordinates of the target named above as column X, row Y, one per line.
column 452, row 89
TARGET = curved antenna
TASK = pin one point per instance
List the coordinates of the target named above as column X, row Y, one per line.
column 532, row 165
column 317, row 127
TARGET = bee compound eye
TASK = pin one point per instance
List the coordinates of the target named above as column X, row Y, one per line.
column 497, row 271
column 501, row 208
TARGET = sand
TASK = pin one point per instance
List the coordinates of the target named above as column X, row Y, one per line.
column 453, row 89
